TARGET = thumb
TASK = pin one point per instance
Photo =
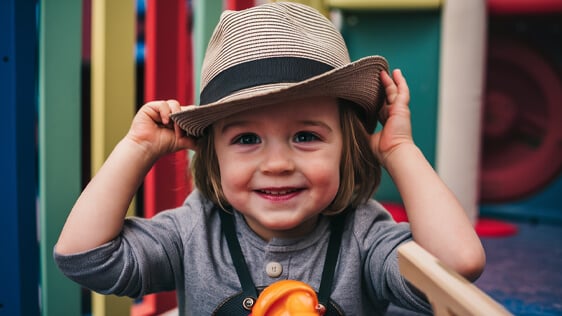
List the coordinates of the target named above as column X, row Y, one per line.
column 183, row 140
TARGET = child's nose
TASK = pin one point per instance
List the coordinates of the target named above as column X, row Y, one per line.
column 278, row 159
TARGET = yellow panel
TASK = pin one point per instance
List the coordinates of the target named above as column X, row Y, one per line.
column 384, row 4
column 110, row 305
column 319, row 5
column 113, row 100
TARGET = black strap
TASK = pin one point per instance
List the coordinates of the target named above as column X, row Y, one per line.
column 240, row 265
column 332, row 254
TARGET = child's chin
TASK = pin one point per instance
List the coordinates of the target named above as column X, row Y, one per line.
column 280, row 227
column 287, row 229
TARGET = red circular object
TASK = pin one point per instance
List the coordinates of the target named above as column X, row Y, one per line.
column 501, row 115
column 486, row 227
column 522, row 149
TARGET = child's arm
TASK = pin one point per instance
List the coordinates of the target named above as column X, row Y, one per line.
column 438, row 221
column 98, row 214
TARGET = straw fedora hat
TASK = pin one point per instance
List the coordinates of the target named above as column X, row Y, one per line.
column 279, row 52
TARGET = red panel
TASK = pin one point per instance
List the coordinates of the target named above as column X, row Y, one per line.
column 155, row 304
column 524, row 6
column 239, row 4
column 168, row 75
column 484, row 227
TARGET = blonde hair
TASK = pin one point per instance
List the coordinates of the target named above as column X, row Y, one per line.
column 360, row 172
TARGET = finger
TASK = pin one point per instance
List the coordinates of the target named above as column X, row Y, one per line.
column 165, row 109
column 390, row 87
column 158, row 110
column 401, row 84
column 184, row 141
column 174, row 105
column 153, row 110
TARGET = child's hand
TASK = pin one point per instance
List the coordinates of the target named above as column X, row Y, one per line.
column 153, row 129
column 394, row 116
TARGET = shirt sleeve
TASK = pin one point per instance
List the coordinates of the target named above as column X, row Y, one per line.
column 145, row 258
column 382, row 238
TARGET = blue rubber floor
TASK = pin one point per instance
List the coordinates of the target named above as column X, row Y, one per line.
column 524, row 271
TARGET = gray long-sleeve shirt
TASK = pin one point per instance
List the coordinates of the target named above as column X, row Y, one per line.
column 184, row 249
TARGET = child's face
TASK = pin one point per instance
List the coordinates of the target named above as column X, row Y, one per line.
column 280, row 165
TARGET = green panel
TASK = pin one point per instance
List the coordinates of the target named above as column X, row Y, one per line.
column 59, row 143
column 410, row 41
column 206, row 15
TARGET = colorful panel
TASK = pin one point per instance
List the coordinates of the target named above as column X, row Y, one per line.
column 59, row 143
column 113, row 99
column 18, row 60
column 410, row 40
column 168, row 75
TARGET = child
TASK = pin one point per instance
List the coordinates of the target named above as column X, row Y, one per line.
column 285, row 167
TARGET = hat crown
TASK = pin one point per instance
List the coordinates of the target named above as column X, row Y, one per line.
column 281, row 29
column 276, row 52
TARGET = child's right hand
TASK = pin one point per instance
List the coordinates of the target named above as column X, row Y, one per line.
column 98, row 215
column 153, row 129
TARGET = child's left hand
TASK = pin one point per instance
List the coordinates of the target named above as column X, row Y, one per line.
column 437, row 219
column 394, row 116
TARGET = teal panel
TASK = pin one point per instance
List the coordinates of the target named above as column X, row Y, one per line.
column 206, row 15
column 59, row 143
column 410, row 41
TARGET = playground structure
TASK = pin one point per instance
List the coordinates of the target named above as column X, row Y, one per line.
column 53, row 138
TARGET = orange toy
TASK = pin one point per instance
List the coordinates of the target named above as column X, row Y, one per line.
column 288, row 298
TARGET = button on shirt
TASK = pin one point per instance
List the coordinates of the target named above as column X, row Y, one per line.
column 274, row 269
column 282, row 259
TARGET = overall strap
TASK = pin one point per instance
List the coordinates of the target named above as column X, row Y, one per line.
column 336, row 226
column 249, row 289
column 240, row 265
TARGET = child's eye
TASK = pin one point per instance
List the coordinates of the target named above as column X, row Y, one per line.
column 247, row 139
column 302, row 137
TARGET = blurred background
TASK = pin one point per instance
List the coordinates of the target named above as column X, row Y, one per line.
column 486, row 90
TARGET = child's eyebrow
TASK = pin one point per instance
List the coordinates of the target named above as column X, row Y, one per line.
column 316, row 123
column 232, row 124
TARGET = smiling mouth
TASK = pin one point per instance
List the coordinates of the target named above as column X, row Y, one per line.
column 279, row 192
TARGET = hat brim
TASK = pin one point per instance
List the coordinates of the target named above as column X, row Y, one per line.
column 358, row 82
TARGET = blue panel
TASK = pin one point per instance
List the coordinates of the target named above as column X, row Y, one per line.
column 18, row 185
column 543, row 206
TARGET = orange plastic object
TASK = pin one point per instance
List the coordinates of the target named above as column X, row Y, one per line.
column 288, row 298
